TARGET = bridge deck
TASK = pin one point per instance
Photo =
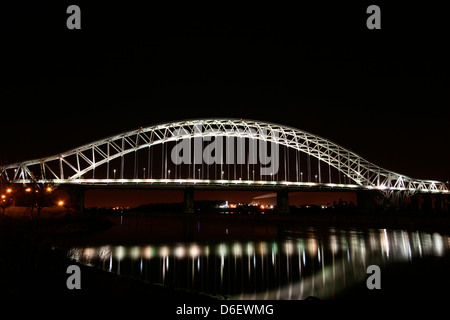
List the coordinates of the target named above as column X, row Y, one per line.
column 208, row 184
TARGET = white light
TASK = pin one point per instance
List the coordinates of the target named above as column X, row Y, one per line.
column 250, row 249
column 104, row 253
column 89, row 253
column 194, row 251
column 135, row 253
column 120, row 252
column 438, row 244
column 180, row 252
column 222, row 249
column 164, row 251
column 237, row 249
column 289, row 248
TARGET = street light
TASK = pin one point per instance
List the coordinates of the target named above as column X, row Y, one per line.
column 301, row 176
column 114, row 173
column 168, row 171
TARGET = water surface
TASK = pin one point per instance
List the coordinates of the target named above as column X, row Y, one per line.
column 252, row 260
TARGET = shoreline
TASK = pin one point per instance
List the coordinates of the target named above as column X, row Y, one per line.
column 393, row 219
column 421, row 222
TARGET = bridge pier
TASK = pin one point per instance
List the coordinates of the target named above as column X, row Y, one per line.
column 427, row 203
column 283, row 201
column 76, row 196
column 188, row 204
column 414, row 204
column 434, row 203
column 366, row 201
column 439, row 203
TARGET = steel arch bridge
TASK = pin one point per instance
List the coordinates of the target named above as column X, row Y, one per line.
column 103, row 162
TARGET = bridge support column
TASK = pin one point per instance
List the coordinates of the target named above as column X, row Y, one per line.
column 438, row 203
column 414, row 204
column 427, row 204
column 188, row 205
column 446, row 203
column 366, row 201
column 76, row 196
column 283, row 201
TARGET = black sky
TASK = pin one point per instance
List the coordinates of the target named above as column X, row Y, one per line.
column 383, row 94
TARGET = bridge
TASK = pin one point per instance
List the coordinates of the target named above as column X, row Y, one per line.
column 218, row 154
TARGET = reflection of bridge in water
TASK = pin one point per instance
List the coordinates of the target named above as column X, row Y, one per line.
column 225, row 154
column 301, row 263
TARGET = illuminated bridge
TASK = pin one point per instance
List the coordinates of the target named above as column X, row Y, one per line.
column 218, row 154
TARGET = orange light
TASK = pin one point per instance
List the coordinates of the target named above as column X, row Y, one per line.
column 28, row 189
column 49, row 189
column 9, row 190
column 3, row 196
column 261, row 206
column 60, row 203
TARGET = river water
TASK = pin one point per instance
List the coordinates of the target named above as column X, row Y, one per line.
column 251, row 259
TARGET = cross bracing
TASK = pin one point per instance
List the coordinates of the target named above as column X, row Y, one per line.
column 93, row 163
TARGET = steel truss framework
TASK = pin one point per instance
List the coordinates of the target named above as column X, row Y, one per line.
column 87, row 158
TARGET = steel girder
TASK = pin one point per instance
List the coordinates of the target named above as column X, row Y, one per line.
column 86, row 158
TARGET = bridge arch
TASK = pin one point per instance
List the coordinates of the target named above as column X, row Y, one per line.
column 71, row 166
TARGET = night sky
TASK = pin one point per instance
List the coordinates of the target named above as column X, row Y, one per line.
column 383, row 94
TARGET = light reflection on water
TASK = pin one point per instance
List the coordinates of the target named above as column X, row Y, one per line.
column 297, row 266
